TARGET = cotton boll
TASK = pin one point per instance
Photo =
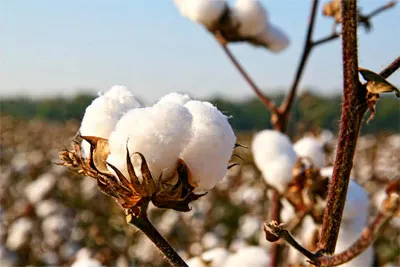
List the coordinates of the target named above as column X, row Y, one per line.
column 39, row 188
column 287, row 212
column 205, row 12
column 19, row 234
column 210, row 149
column 196, row 262
column 215, row 257
column 160, row 133
column 273, row 38
column 175, row 98
column 275, row 157
column 309, row 147
column 103, row 113
column 249, row 256
column 252, row 17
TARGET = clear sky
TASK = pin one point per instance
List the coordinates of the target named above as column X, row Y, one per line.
column 60, row 47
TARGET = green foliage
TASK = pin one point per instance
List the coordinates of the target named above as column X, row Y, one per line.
column 310, row 112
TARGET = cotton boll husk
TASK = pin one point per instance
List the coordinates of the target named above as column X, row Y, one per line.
column 275, row 157
column 205, row 12
column 160, row 133
column 249, row 256
column 309, row 147
column 177, row 98
column 273, row 38
column 103, row 113
column 215, row 257
column 210, row 149
column 252, row 17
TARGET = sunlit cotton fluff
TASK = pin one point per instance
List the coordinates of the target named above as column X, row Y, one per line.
column 274, row 156
column 159, row 132
column 248, row 256
column 104, row 112
column 205, row 12
column 210, row 149
column 176, row 98
column 215, row 257
column 309, row 147
column 251, row 15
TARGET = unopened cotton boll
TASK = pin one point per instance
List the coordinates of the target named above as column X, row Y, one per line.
column 252, row 17
column 210, row 149
column 309, row 147
column 160, row 133
column 175, row 98
column 103, row 113
column 205, row 12
column 248, row 256
column 273, row 38
column 275, row 157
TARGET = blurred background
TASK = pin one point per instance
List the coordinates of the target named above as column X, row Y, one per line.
column 57, row 55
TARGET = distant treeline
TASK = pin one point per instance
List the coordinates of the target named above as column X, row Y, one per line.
column 310, row 112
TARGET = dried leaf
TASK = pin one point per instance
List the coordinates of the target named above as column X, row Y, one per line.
column 376, row 84
column 99, row 152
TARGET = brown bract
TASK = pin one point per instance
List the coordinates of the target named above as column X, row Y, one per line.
column 130, row 193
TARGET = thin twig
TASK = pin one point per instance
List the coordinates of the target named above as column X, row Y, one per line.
column 267, row 102
column 389, row 70
column 288, row 101
column 353, row 109
column 276, row 248
column 367, row 238
column 381, row 9
column 143, row 223
column 329, row 38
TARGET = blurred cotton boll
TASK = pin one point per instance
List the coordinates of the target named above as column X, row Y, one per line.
column 248, row 256
column 273, row 38
column 275, row 157
column 205, row 12
column 309, row 147
column 103, row 114
column 160, row 133
column 215, row 257
column 210, row 149
column 252, row 17
column 19, row 234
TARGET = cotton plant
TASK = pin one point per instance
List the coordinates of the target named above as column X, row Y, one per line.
column 309, row 147
column 246, row 21
column 170, row 153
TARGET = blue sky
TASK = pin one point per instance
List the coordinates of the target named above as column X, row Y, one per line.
column 60, row 47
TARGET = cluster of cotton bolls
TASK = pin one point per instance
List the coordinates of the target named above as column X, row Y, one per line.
column 248, row 20
column 175, row 127
column 50, row 216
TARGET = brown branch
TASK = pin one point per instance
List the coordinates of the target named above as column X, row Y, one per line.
column 353, row 109
column 329, row 38
column 381, row 9
column 267, row 102
column 389, row 70
column 367, row 238
column 276, row 248
column 288, row 101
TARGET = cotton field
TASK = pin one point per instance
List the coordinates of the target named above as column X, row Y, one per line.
column 50, row 216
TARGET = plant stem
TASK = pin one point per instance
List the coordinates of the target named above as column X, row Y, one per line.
column 276, row 248
column 389, row 70
column 143, row 223
column 288, row 101
column 353, row 109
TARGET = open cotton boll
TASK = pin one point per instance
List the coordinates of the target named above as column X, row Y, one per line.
column 252, row 17
column 275, row 157
column 205, row 12
column 210, row 149
column 215, row 257
column 175, row 98
column 273, row 38
column 160, row 133
column 103, row 113
column 196, row 262
column 248, row 256
column 309, row 147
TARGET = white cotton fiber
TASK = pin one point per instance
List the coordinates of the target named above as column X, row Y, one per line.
column 248, row 256
column 275, row 157
column 19, row 233
column 309, row 147
column 252, row 17
column 205, row 12
column 273, row 38
column 38, row 189
column 103, row 113
column 175, row 98
column 210, row 149
column 215, row 257
column 160, row 133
